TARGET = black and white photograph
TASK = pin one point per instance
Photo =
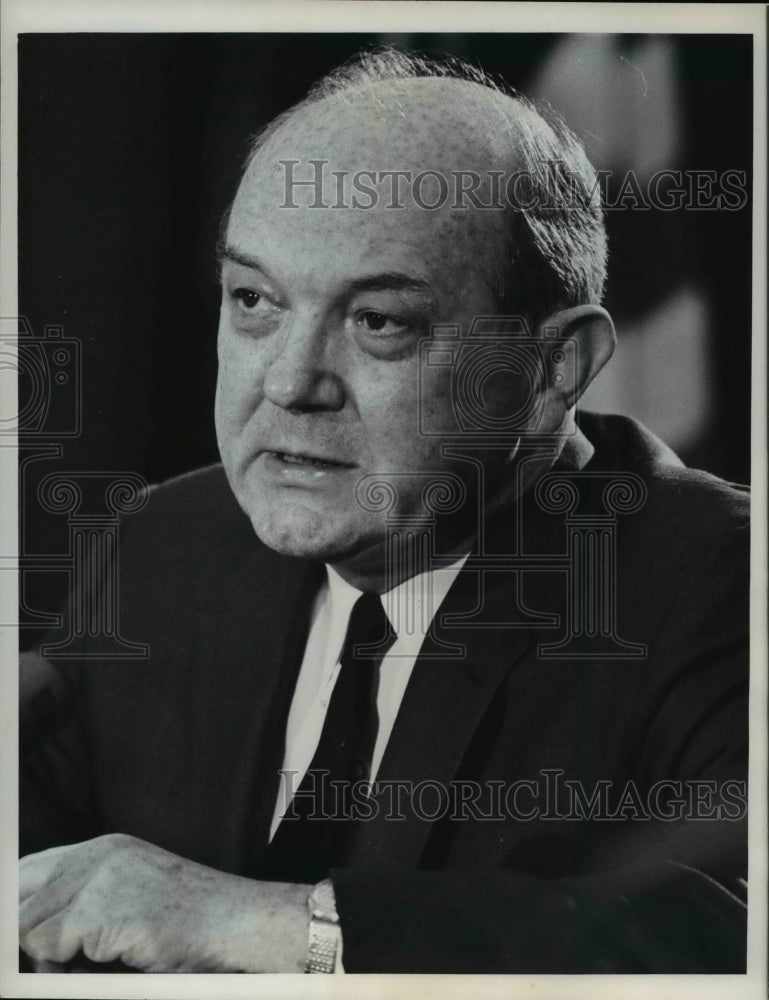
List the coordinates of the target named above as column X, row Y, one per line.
column 381, row 417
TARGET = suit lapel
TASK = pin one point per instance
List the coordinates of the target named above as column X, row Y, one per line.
column 251, row 642
column 443, row 707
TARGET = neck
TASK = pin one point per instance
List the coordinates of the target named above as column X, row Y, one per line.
column 410, row 553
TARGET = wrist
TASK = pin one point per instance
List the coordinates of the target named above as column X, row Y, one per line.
column 269, row 929
column 325, row 936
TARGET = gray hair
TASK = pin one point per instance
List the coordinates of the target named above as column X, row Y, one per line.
column 557, row 239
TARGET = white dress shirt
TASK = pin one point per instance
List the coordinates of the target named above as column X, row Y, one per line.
column 411, row 607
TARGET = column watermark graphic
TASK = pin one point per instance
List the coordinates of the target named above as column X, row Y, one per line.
column 93, row 561
column 49, row 372
column 591, row 561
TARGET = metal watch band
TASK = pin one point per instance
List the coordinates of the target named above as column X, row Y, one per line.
column 325, row 933
column 324, row 944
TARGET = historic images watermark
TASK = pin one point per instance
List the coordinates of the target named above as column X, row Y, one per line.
column 551, row 188
column 547, row 795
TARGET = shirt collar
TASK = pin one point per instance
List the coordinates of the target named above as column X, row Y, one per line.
column 410, row 606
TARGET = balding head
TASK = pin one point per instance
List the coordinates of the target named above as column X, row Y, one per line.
column 431, row 121
column 468, row 143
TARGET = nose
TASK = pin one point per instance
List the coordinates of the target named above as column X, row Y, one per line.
column 298, row 376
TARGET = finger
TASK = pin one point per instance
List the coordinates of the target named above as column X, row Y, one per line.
column 45, row 966
column 54, row 940
column 47, row 902
column 72, row 933
column 38, row 870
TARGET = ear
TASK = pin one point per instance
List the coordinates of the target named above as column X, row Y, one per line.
column 579, row 342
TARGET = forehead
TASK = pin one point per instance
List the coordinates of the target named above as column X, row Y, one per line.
column 346, row 146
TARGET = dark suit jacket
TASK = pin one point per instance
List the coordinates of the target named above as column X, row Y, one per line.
column 182, row 749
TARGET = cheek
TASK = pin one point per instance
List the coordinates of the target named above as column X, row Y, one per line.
column 434, row 416
column 221, row 416
column 406, row 419
column 386, row 401
column 238, row 386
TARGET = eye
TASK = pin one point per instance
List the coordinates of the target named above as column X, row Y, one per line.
column 381, row 323
column 247, row 298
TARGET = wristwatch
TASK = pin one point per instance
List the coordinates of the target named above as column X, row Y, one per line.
column 325, row 933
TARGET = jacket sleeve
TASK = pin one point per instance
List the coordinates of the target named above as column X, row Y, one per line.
column 57, row 804
column 676, row 921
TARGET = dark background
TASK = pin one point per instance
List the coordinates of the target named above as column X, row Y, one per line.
column 130, row 148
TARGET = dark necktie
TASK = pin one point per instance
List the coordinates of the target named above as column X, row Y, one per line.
column 317, row 831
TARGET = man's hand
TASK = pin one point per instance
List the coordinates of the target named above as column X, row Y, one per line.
column 117, row 898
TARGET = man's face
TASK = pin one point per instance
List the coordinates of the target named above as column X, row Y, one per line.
column 319, row 363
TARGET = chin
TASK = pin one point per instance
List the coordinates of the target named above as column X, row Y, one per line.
column 303, row 533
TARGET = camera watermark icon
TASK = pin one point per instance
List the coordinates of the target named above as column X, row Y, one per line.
column 499, row 377
column 48, row 370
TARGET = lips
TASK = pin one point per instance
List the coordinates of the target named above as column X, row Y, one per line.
column 306, row 460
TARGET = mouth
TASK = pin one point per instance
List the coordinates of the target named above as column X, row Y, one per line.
column 302, row 460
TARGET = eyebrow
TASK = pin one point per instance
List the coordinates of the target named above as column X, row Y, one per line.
column 225, row 252
column 382, row 281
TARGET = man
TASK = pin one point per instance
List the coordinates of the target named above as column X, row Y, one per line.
column 558, row 651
